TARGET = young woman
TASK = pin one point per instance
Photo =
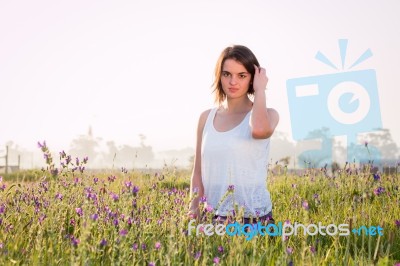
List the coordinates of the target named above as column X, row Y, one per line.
column 232, row 148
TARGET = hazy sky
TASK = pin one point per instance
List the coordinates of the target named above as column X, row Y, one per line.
column 145, row 67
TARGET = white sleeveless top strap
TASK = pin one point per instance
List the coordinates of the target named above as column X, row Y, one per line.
column 235, row 158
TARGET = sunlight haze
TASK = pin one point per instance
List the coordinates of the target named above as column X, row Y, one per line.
column 127, row 68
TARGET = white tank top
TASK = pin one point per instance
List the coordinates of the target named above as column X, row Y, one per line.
column 234, row 157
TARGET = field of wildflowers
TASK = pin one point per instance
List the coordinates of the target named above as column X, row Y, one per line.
column 66, row 215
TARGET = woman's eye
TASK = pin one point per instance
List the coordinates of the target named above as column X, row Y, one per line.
column 242, row 76
column 225, row 74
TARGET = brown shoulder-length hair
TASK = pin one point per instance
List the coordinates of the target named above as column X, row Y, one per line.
column 241, row 54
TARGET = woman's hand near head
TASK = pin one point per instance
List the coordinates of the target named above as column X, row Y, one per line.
column 263, row 120
column 260, row 79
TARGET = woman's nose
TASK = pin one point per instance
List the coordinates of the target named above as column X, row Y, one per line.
column 233, row 80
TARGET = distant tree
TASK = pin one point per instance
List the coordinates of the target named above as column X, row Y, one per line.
column 85, row 145
column 111, row 153
column 285, row 160
column 191, row 161
column 13, row 152
column 130, row 156
column 321, row 157
column 382, row 139
column 375, row 148
column 335, row 167
column 281, row 147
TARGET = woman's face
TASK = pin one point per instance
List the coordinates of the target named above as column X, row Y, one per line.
column 235, row 79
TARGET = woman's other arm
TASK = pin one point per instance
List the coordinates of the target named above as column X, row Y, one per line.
column 196, row 184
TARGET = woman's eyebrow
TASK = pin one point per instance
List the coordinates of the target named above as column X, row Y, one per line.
column 240, row 73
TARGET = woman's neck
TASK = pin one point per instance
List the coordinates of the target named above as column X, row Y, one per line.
column 242, row 105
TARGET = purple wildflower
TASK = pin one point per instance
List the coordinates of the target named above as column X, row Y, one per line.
column 157, row 245
column 42, row 146
column 378, row 191
column 312, row 249
column 123, row 232
column 144, row 246
column 81, row 169
column 231, row 188
column 68, row 159
column 152, row 264
column 59, row 196
column 216, row 260
column 377, row 177
column 209, row 208
column 94, row 216
column 75, row 241
column 135, row 189
column 114, row 196
column 289, row 250
column 79, row 211
column 305, row 205
column 62, row 154
column 203, row 199
column 397, row 223
column 134, row 246
column 95, row 180
column 41, row 218
column 128, row 184
column 111, row 178
column 221, row 249
column 2, row 209
column 103, row 243
column 197, row 255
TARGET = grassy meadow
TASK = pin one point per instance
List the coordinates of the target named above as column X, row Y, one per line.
column 66, row 215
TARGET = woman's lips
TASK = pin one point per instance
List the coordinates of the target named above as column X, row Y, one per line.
column 233, row 89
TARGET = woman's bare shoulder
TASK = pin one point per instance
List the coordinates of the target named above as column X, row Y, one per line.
column 205, row 113
column 203, row 117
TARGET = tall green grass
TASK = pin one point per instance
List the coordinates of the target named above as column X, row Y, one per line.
column 140, row 218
